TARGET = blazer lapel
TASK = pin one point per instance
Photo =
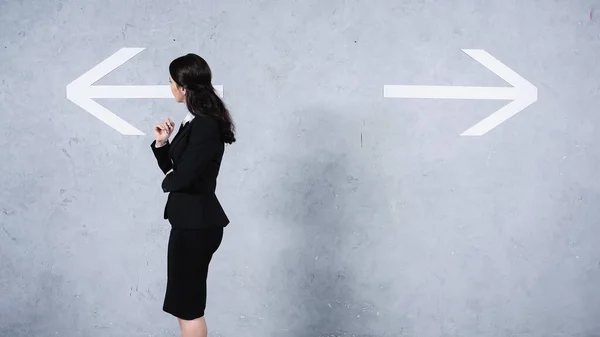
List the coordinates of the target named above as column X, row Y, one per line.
column 180, row 133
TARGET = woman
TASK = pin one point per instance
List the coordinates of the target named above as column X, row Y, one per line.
column 191, row 165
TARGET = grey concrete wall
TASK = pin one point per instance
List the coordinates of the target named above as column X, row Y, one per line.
column 352, row 214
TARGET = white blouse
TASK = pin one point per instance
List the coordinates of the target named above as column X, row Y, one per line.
column 187, row 118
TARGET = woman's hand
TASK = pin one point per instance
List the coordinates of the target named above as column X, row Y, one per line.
column 162, row 132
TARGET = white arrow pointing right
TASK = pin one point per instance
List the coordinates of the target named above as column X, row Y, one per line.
column 522, row 93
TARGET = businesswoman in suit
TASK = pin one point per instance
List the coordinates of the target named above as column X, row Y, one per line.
column 191, row 165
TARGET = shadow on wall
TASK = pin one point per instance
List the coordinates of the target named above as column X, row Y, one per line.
column 325, row 205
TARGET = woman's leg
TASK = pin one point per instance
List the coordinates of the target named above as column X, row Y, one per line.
column 193, row 328
column 197, row 327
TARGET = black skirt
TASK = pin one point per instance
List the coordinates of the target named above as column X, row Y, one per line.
column 188, row 256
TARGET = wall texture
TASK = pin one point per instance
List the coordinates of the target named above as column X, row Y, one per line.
column 351, row 214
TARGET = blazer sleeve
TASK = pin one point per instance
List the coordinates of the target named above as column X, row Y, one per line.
column 202, row 145
column 162, row 156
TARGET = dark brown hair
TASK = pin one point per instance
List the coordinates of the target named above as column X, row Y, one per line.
column 192, row 73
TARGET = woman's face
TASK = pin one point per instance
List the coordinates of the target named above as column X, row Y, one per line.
column 177, row 91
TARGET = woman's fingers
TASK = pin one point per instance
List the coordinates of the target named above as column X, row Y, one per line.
column 167, row 126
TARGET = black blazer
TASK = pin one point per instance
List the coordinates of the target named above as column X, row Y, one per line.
column 195, row 156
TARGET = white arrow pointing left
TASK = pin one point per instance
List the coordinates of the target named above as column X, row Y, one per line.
column 81, row 91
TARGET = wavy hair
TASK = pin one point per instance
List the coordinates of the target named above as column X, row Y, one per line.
column 192, row 73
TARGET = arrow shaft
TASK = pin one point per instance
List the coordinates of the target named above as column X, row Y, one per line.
column 449, row 92
column 129, row 91
column 133, row 91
